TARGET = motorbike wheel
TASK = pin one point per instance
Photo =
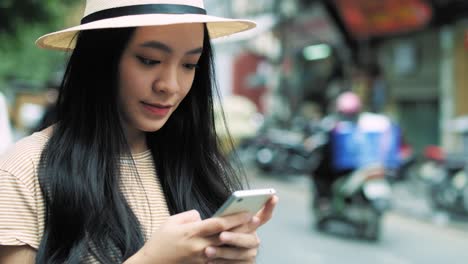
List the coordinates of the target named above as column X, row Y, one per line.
column 371, row 231
column 443, row 196
column 321, row 225
column 465, row 199
column 264, row 158
column 272, row 160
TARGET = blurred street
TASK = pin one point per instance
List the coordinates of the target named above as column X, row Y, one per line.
column 291, row 238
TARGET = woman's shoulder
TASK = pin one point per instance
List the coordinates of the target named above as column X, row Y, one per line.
column 25, row 154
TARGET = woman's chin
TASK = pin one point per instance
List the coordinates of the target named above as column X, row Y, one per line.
column 152, row 127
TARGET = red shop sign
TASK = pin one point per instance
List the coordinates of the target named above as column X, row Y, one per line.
column 367, row 18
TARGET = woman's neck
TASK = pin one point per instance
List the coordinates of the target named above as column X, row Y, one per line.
column 136, row 140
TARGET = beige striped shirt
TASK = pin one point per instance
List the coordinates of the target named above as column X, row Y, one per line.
column 22, row 205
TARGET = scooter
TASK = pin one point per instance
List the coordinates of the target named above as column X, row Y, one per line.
column 283, row 152
column 446, row 178
column 452, row 193
column 359, row 201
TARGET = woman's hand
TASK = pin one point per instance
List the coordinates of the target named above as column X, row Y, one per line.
column 184, row 237
column 240, row 244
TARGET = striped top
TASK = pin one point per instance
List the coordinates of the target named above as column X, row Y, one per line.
column 22, row 206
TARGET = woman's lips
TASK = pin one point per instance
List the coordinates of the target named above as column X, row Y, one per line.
column 157, row 109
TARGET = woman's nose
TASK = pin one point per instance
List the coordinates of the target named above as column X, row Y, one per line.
column 167, row 81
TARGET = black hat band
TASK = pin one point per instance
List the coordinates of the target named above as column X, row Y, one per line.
column 142, row 10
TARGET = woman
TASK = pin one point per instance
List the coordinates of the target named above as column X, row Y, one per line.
column 131, row 171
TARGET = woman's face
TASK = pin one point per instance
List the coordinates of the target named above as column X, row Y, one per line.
column 156, row 72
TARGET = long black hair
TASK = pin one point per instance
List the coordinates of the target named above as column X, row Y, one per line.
column 86, row 212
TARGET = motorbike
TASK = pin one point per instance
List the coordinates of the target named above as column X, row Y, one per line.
column 452, row 193
column 447, row 180
column 285, row 152
column 359, row 200
column 444, row 177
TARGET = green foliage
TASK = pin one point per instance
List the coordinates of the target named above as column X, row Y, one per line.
column 21, row 23
column 21, row 59
column 14, row 12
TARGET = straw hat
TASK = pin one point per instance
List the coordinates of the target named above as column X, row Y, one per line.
column 101, row 14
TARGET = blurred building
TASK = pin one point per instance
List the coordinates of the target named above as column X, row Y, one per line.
column 407, row 58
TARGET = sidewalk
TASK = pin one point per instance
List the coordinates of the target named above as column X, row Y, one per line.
column 412, row 201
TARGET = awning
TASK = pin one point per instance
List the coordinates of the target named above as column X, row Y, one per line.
column 370, row 18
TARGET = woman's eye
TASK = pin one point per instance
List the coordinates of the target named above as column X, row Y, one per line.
column 191, row 66
column 147, row 62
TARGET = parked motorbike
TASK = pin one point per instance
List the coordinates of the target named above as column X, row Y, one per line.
column 359, row 200
column 444, row 177
column 285, row 152
column 452, row 193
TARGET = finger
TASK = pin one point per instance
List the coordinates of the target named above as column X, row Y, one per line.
column 260, row 218
column 217, row 225
column 240, row 240
column 209, row 242
column 185, row 217
column 249, row 227
column 267, row 211
column 213, row 241
column 231, row 253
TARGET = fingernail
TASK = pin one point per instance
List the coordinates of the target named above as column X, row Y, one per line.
column 210, row 252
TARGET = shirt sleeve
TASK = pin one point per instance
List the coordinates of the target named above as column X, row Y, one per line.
column 18, row 213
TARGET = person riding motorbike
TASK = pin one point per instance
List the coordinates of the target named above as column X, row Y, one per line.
column 347, row 107
column 349, row 148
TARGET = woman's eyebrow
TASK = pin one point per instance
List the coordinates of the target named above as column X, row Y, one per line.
column 165, row 48
column 195, row 51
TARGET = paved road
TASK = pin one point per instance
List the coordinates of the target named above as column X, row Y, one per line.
column 290, row 238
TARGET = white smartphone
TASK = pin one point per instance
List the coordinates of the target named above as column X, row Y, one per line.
column 245, row 201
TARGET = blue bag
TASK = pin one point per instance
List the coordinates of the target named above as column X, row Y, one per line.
column 373, row 139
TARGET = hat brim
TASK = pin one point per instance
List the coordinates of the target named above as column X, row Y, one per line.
column 217, row 27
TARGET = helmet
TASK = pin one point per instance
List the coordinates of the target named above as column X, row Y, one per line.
column 348, row 103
